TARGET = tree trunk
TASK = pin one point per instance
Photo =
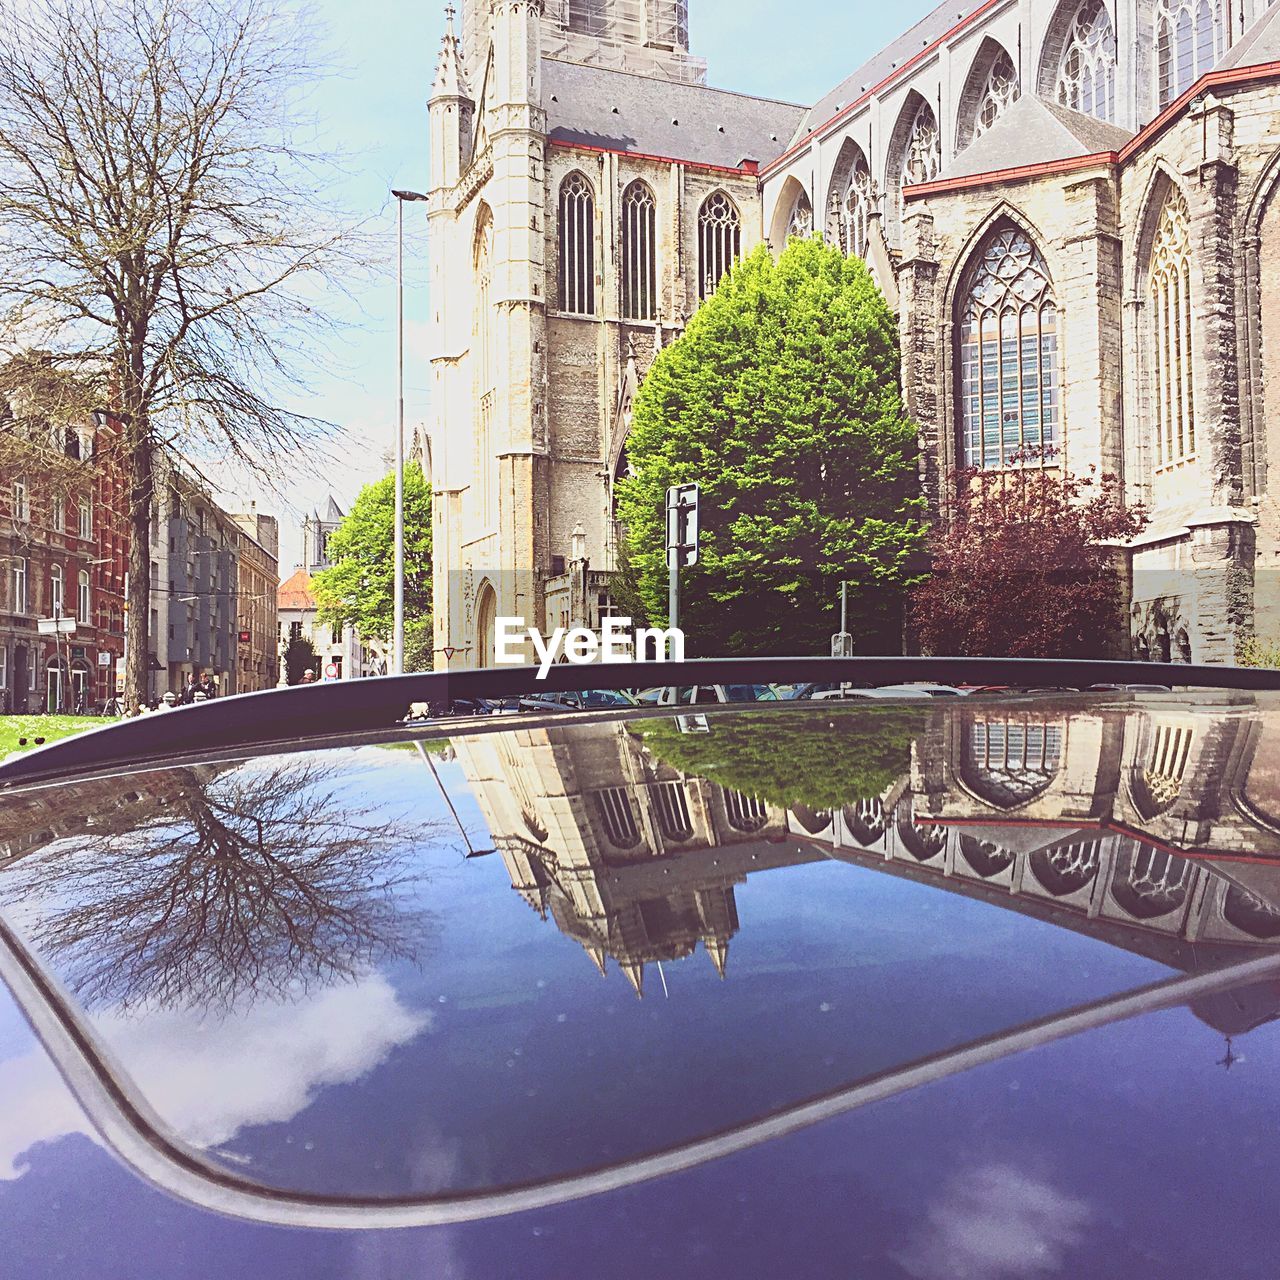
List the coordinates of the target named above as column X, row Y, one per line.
column 138, row 616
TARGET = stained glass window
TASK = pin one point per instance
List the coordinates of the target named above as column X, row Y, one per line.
column 1170, row 301
column 1008, row 354
column 577, row 246
column 1087, row 73
column 1187, row 40
column 999, row 91
column 856, row 209
column 719, row 240
column 639, row 253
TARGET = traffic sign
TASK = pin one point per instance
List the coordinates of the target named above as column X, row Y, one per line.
column 56, row 626
column 682, row 525
column 331, row 671
column 842, row 644
column 449, row 651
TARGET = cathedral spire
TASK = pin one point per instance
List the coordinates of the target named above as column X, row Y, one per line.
column 718, row 950
column 635, row 975
column 450, row 81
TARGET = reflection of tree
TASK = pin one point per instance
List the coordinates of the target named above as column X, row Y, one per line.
column 236, row 884
column 822, row 759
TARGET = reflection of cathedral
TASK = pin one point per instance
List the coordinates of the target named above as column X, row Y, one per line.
column 1073, row 817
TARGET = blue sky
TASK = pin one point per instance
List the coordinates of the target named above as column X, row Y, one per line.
column 374, row 111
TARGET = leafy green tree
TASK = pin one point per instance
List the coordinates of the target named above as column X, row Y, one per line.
column 821, row 758
column 781, row 400
column 359, row 587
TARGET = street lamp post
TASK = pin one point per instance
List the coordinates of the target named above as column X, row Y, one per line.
column 397, row 634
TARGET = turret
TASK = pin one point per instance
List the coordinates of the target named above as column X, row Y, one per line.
column 451, row 110
column 517, row 56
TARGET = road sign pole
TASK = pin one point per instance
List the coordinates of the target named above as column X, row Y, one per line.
column 673, row 590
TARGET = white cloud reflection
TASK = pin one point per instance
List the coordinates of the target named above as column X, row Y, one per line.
column 210, row 1079
column 995, row 1222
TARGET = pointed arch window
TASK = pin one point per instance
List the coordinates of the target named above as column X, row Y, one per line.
column 485, row 371
column 639, row 253
column 856, row 209
column 719, row 240
column 577, row 246
column 1170, row 303
column 1000, row 90
column 1087, row 72
column 1187, row 39
column 1008, row 354
column 1009, row 762
column 922, row 154
column 800, row 223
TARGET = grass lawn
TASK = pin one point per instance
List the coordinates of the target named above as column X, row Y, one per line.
column 50, row 728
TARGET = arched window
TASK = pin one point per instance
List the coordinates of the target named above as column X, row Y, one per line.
column 1187, row 43
column 577, row 246
column 719, row 241
column 56, row 598
column 485, row 371
column 82, row 598
column 1170, row 302
column 922, row 154
column 1149, row 883
column 1008, row 762
column 856, row 209
column 639, row 254
column 618, row 817
column 671, row 804
column 1008, row 324
column 800, row 222
column 1087, row 72
column 745, row 813
column 1067, row 868
column 999, row 91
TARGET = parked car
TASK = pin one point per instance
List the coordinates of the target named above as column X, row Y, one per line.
column 586, row 700
column 698, row 694
column 294, row 988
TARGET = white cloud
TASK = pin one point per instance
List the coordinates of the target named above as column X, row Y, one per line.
column 209, row 1080
column 995, row 1222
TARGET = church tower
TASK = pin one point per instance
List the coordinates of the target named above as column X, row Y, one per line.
column 575, row 152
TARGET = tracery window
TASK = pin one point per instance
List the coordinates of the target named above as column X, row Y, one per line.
column 922, row 155
column 745, row 813
column 800, row 223
column 1150, row 883
column 1067, row 868
column 672, row 806
column 1170, row 301
column 1009, row 762
column 639, row 253
column 1000, row 90
column 1187, row 43
column 866, row 820
column 719, row 241
column 856, row 209
column 1087, row 72
column 619, row 820
column 1008, row 354
column 577, row 246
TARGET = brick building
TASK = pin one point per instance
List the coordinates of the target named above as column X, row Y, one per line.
column 1069, row 203
column 62, row 541
column 258, row 584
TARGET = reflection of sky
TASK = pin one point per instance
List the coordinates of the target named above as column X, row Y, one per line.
column 502, row 1055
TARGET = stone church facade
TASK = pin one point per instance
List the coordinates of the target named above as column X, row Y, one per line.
column 1070, row 205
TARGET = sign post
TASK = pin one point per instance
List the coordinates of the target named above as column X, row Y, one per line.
column 57, row 627
column 842, row 641
column 682, row 542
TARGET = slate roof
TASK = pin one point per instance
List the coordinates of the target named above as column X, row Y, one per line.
column 1034, row 130
column 295, row 592
column 1261, row 43
column 621, row 111
column 933, row 26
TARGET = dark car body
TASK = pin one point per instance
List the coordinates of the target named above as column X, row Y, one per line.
column 893, row 988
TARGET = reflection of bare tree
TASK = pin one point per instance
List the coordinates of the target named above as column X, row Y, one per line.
column 232, row 884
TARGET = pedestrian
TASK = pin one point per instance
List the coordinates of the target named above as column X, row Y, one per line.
column 189, row 690
column 208, row 687
column 308, row 676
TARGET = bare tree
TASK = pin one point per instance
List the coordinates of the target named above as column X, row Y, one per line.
column 161, row 224
column 234, row 884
